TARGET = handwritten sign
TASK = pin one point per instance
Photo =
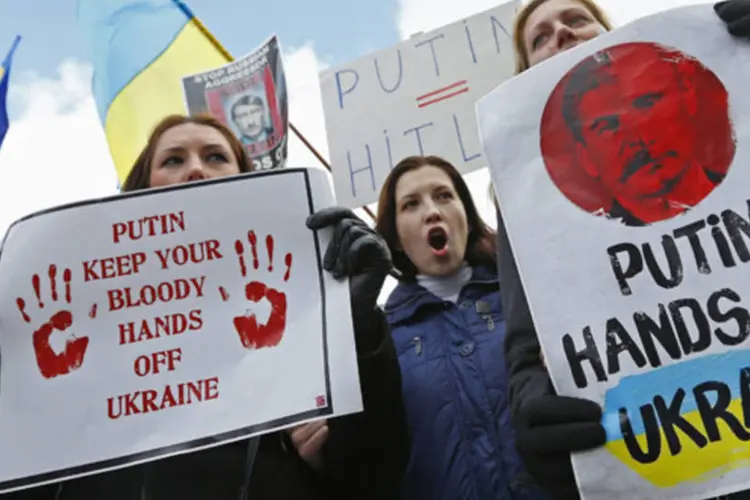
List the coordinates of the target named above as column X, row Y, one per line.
column 416, row 97
column 165, row 321
column 621, row 169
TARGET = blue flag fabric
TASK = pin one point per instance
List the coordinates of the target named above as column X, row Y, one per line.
column 4, row 78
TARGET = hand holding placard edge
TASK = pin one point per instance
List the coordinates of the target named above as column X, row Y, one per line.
column 736, row 14
column 356, row 251
column 548, row 429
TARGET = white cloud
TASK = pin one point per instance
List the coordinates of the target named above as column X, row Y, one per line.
column 55, row 151
column 623, row 12
column 415, row 16
column 305, row 105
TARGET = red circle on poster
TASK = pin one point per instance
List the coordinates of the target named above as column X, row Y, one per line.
column 637, row 132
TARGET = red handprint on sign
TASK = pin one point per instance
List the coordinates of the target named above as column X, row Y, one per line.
column 254, row 335
column 52, row 364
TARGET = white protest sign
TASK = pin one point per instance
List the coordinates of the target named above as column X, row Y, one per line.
column 165, row 321
column 415, row 98
column 622, row 169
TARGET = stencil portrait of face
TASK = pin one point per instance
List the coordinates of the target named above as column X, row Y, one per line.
column 638, row 132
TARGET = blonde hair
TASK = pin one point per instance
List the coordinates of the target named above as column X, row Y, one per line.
column 519, row 47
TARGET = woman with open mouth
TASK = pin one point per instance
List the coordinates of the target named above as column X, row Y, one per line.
column 448, row 329
column 549, row 427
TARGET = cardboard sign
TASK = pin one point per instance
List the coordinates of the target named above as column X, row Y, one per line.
column 621, row 167
column 415, row 98
column 165, row 321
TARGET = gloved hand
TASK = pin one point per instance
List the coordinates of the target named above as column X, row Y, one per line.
column 356, row 251
column 736, row 13
column 548, row 429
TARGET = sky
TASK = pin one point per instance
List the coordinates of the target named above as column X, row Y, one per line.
column 55, row 151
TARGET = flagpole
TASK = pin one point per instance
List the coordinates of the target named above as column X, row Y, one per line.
column 202, row 28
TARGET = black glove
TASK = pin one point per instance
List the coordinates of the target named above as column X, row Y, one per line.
column 548, row 429
column 356, row 251
column 736, row 13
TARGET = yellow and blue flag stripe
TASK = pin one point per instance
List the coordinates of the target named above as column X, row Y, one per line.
column 701, row 406
column 141, row 49
column 4, row 79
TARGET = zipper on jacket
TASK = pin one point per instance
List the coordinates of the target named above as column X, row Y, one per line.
column 417, row 343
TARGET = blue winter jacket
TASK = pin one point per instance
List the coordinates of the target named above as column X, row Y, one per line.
column 454, row 381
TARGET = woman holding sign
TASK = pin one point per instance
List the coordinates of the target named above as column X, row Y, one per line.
column 549, row 427
column 448, row 328
column 360, row 456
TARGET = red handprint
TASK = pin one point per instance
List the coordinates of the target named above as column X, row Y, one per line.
column 52, row 364
column 252, row 334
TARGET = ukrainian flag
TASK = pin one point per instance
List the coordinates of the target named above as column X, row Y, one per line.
column 4, row 78
column 141, row 49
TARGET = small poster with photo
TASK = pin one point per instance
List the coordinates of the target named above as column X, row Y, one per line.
column 249, row 96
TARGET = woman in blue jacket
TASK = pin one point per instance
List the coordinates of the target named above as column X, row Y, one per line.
column 448, row 329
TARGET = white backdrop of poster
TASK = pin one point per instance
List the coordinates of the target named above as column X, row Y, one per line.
column 164, row 321
column 414, row 98
column 649, row 320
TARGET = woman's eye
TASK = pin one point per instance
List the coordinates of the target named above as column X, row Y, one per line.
column 217, row 157
column 538, row 40
column 409, row 204
column 172, row 160
column 577, row 20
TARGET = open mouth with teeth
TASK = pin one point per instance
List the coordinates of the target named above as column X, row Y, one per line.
column 438, row 241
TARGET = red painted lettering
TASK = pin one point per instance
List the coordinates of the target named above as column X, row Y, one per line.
column 149, row 364
column 167, row 291
column 149, row 400
column 153, row 225
column 171, row 396
column 194, row 253
column 113, row 267
column 167, row 325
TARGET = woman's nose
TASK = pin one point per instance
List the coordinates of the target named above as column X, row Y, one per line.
column 564, row 36
column 195, row 170
column 432, row 214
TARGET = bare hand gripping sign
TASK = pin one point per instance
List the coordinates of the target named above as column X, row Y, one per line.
column 621, row 169
column 148, row 324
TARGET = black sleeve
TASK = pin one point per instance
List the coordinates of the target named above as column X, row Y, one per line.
column 528, row 376
column 366, row 453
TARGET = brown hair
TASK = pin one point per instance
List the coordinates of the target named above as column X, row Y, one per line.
column 519, row 47
column 140, row 175
column 480, row 247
